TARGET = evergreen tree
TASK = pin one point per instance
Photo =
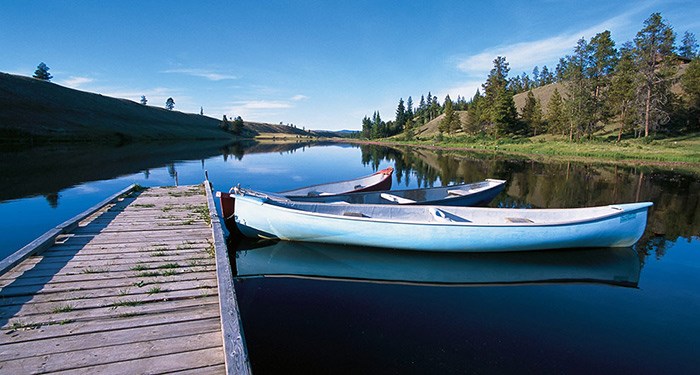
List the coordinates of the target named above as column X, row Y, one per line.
column 42, row 72
column 201, row 111
column 143, row 99
column 422, row 110
column 691, row 86
column 689, row 46
column 532, row 114
column 556, row 119
column 409, row 109
column 546, row 76
column 366, row 128
column 450, row 123
column 580, row 103
column 473, row 124
column 604, row 58
column 536, row 76
column 401, row 116
column 238, row 125
column 654, row 49
column 560, row 70
column 623, row 89
column 224, row 124
column 499, row 108
column 169, row 104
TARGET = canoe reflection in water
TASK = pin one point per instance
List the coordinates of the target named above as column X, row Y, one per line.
column 613, row 266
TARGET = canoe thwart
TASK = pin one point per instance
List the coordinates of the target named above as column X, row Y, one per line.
column 396, row 199
column 354, row 214
column 518, row 220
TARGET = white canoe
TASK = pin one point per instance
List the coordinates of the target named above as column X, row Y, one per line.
column 439, row 228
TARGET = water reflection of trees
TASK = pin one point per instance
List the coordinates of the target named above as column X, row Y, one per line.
column 531, row 183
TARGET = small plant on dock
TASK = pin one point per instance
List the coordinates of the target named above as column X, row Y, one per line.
column 154, row 290
column 169, row 272
column 140, row 284
column 123, row 292
column 94, row 270
column 169, row 265
column 138, row 267
column 125, row 303
column 160, row 253
column 62, row 309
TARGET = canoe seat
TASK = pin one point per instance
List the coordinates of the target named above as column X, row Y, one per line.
column 459, row 192
column 358, row 187
column 396, row 199
column 518, row 220
column 445, row 217
column 354, row 214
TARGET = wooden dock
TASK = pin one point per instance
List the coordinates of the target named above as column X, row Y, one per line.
column 138, row 284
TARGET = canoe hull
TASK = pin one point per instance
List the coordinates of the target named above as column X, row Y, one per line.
column 380, row 180
column 254, row 218
column 472, row 194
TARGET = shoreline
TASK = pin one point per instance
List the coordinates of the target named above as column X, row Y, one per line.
column 691, row 167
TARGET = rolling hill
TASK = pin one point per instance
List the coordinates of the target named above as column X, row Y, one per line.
column 33, row 110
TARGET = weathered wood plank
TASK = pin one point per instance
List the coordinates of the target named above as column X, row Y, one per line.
column 63, row 344
column 132, row 288
column 173, row 319
column 148, row 351
column 235, row 351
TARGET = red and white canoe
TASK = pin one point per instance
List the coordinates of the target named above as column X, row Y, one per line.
column 380, row 180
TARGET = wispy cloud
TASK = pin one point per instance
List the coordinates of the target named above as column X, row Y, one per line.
column 76, row 82
column 202, row 73
column 297, row 98
column 524, row 56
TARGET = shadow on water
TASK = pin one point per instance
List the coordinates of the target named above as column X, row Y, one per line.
column 48, row 169
column 614, row 266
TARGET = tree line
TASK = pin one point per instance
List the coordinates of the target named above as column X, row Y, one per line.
column 598, row 84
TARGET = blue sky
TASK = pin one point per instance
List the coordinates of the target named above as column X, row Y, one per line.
column 315, row 64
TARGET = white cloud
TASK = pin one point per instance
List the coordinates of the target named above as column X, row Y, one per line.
column 524, row 56
column 203, row 73
column 297, row 98
column 76, row 82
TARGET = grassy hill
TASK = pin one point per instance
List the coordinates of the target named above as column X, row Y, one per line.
column 32, row 110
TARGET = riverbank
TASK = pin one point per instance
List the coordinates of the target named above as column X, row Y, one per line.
column 679, row 153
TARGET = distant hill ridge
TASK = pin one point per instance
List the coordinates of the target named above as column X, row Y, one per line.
column 35, row 110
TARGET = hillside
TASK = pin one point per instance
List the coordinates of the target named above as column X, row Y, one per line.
column 33, row 110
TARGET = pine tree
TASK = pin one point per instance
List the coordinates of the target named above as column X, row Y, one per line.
column 555, row 114
column 654, row 49
column 42, row 72
column 224, row 124
column 450, row 123
column 238, row 125
column 401, row 116
column 689, row 46
column 532, row 114
column 143, row 99
column 499, row 108
column 169, row 104
column 409, row 109
column 691, row 86
column 536, row 76
column 580, row 102
column 366, row 128
column 623, row 89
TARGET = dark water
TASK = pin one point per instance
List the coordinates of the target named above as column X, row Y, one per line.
column 350, row 310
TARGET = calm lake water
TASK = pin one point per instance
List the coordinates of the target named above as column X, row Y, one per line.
column 331, row 309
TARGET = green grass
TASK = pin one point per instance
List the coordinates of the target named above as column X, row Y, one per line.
column 683, row 150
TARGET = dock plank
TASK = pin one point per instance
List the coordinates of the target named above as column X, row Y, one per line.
column 130, row 287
